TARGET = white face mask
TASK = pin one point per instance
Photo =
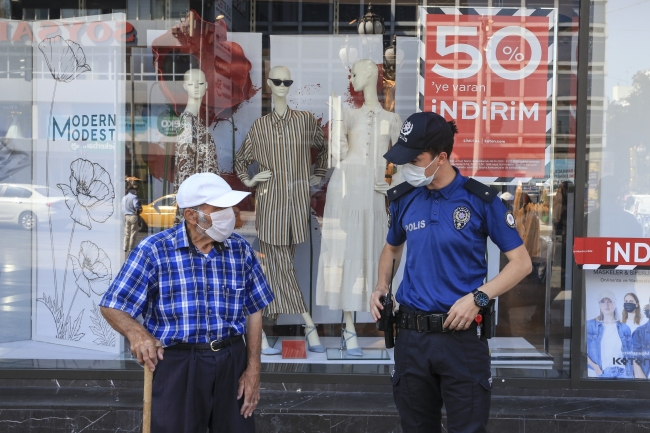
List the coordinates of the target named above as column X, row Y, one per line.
column 415, row 175
column 223, row 223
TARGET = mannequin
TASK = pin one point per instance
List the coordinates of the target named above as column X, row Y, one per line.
column 355, row 222
column 281, row 144
column 196, row 151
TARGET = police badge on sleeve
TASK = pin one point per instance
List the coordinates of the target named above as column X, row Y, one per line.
column 510, row 220
column 461, row 217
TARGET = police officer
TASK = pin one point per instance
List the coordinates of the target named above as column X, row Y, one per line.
column 446, row 219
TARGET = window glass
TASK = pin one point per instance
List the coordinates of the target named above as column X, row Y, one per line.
column 123, row 116
column 612, row 252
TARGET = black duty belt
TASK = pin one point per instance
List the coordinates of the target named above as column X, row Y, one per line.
column 214, row 346
column 421, row 321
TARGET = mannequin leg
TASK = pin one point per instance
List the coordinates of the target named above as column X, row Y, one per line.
column 312, row 337
column 352, row 343
column 349, row 335
column 266, row 349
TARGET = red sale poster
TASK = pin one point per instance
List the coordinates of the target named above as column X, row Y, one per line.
column 492, row 71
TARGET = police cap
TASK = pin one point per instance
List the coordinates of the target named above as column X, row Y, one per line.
column 419, row 132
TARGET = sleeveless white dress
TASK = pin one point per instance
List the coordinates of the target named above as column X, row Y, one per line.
column 355, row 221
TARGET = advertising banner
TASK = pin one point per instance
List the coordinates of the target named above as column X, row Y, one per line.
column 617, row 328
column 492, row 70
column 79, row 169
column 619, row 253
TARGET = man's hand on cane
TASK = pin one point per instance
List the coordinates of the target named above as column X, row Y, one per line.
column 147, row 349
column 249, row 388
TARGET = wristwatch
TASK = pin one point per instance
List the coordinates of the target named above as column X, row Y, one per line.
column 481, row 299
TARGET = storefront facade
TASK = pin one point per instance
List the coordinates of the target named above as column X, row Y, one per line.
column 547, row 97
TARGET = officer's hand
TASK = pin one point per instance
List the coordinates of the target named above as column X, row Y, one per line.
column 375, row 303
column 461, row 314
column 249, row 388
column 146, row 348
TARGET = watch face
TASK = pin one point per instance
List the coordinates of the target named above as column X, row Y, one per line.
column 481, row 299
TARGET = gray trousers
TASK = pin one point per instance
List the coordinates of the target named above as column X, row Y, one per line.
column 130, row 229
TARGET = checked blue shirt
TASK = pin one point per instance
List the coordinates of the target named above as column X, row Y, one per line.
column 185, row 296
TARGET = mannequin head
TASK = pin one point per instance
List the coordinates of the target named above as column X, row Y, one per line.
column 279, row 73
column 364, row 73
column 195, row 84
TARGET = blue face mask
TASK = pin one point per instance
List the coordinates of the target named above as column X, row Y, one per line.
column 415, row 175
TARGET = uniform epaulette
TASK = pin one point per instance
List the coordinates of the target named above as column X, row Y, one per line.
column 399, row 190
column 481, row 190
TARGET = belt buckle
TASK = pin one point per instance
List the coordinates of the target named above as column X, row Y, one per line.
column 212, row 347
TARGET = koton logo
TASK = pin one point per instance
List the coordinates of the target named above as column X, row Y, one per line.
column 592, row 253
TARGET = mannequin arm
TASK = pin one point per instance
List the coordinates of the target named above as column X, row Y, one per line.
column 261, row 177
column 243, row 158
column 314, row 180
column 382, row 187
column 318, row 142
column 337, row 139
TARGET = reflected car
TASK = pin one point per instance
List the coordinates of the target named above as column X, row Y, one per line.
column 159, row 213
column 27, row 205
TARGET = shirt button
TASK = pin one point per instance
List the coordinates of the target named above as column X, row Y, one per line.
column 436, row 201
column 435, row 213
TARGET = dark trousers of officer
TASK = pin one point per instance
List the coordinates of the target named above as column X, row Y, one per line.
column 449, row 367
column 197, row 390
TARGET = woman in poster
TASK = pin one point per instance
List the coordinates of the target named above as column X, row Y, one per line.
column 609, row 341
column 631, row 312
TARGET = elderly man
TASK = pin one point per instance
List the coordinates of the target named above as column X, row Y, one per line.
column 199, row 288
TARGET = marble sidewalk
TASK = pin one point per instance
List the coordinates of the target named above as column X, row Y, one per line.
column 105, row 406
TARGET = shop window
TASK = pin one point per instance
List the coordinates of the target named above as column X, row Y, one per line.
column 139, row 86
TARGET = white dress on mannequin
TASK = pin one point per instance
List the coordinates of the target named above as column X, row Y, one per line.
column 355, row 221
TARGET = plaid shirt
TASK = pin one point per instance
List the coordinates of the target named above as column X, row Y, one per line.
column 186, row 296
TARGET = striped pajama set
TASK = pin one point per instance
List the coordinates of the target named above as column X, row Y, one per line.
column 282, row 144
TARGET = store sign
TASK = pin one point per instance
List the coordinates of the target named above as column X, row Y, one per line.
column 98, row 32
column 628, row 253
column 492, row 71
column 169, row 124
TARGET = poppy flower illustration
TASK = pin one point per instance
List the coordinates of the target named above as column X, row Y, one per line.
column 90, row 193
column 65, row 59
column 92, row 269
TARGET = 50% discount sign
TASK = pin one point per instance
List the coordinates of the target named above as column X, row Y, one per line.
column 516, row 59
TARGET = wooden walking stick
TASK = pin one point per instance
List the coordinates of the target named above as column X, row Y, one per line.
column 146, row 407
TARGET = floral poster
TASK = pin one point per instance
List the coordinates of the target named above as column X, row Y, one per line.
column 78, row 151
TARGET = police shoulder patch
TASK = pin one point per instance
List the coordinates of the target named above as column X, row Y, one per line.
column 461, row 217
column 481, row 190
column 510, row 220
column 390, row 219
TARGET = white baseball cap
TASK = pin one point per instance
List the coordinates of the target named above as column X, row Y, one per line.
column 207, row 188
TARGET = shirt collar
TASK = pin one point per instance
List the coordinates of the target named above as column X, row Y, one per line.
column 365, row 110
column 286, row 116
column 447, row 190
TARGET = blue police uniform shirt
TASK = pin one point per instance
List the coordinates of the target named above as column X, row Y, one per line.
column 447, row 232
